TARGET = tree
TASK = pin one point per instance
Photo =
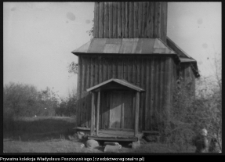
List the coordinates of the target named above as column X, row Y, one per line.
column 25, row 100
column 68, row 106
column 190, row 115
column 73, row 68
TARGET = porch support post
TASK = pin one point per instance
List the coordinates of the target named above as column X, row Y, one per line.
column 92, row 114
column 137, row 114
column 98, row 108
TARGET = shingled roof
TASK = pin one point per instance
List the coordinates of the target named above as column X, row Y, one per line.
column 135, row 46
column 124, row 46
column 183, row 57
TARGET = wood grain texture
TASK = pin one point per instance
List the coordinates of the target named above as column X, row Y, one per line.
column 114, row 19
column 165, row 21
column 144, row 19
column 87, row 73
column 136, row 19
column 143, row 85
column 130, row 20
column 92, row 71
column 119, row 23
column 128, row 110
column 147, row 108
column 155, row 20
column 98, row 110
column 156, row 76
column 152, row 91
column 158, row 22
column 123, row 21
column 83, row 77
column 137, row 114
column 151, row 19
column 140, row 17
column 106, row 20
column 99, row 61
column 161, row 89
column 93, row 114
column 126, row 20
column 110, row 20
column 101, row 19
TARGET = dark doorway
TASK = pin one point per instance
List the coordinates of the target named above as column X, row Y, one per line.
column 117, row 110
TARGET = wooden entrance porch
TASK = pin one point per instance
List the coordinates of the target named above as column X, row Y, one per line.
column 120, row 97
column 116, row 135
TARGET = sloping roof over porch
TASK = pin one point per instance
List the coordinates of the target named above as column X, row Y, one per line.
column 118, row 81
column 124, row 46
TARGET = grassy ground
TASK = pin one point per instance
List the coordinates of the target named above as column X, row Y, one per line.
column 39, row 128
column 50, row 146
column 67, row 146
column 55, row 135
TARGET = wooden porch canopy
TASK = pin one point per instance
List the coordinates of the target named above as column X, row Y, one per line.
column 112, row 84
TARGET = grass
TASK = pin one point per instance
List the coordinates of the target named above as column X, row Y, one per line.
column 55, row 135
column 39, row 128
column 67, row 146
column 51, row 146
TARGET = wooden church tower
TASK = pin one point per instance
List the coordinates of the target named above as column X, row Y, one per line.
column 129, row 72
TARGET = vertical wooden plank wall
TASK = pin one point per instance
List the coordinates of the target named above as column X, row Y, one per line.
column 157, row 93
column 123, row 19
column 101, row 20
column 149, row 72
column 136, row 125
column 98, row 112
column 140, row 10
column 114, row 16
column 106, row 20
column 110, row 8
column 119, row 23
column 126, row 30
column 92, row 113
column 130, row 20
column 164, row 22
column 135, row 19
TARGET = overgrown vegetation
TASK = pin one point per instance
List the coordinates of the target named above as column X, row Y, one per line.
column 67, row 107
column 21, row 101
column 25, row 100
column 189, row 114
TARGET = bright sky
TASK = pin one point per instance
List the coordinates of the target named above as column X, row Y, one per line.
column 39, row 37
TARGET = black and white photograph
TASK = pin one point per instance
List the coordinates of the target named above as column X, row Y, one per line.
column 121, row 77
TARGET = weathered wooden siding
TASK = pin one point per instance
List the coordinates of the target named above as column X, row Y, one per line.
column 183, row 86
column 152, row 73
column 188, row 78
column 130, row 20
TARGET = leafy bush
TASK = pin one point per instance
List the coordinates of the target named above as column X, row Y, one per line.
column 189, row 115
column 68, row 106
